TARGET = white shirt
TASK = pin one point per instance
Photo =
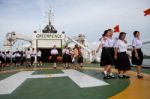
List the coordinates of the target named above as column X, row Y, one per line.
column 8, row 55
column 28, row 54
column 109, row 42
column 112, row 41
column 3, row 55
column 105, row 42
column 17, row 55
column 65, row 51
column 13, row 55
column 39, row 53
column 121, row 45
column 137, row 43
column 54, row 51
column 33, row 54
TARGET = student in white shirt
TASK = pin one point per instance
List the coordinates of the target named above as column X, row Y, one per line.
column 65, row 59
column 137, row 54
column 54, row 53
column 107, row 55
column 39, row 53
column 18, row 58
column 28, row 58
column 13, row 58
column 32, row 54
column 122, row 59
column 8, row 58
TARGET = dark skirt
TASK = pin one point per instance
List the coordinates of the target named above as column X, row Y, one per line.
column 70, row 59
column 38, row 58
column 8, row 60
column 13, row 60
column 54, row 59
column 18, row 59
column 107, row 56
column 24, row 59
column 32, row 59
column 2, row 59
column 136, row 61
column 122, row 62
column 80, row 59
column 67, row 58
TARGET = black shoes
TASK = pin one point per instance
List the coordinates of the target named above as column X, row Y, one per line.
column 123, row 76
column 126, row 76
column 106, row 77
column 120, row 76
column 109, row 77
column 112, row 76
column 139, row 76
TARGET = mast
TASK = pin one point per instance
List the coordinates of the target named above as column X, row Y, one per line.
column 49, row 17
column 49, row 27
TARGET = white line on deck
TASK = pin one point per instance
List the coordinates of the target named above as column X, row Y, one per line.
column 9, row 84
column 83, row 80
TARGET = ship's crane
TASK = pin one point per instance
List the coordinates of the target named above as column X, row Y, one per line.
column 12, row 37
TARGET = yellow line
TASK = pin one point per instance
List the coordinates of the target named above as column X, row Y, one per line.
column 138, row 88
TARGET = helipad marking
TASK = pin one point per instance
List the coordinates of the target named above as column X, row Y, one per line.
column 9, row 84
column 83, row 80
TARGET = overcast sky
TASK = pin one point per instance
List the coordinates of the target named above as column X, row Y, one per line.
column 90, row 17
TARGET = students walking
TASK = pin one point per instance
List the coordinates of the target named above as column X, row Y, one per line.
column 122, row 59
column 137, row 54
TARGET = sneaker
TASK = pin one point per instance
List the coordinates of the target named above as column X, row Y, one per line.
column 120, row 76
column 139, row 76
column 112, row 76
column 106, row 77
column 126, row 76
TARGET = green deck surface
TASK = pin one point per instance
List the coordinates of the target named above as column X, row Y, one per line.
column 65, row 88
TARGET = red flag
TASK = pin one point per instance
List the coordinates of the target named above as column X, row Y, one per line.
column 147, row 12
column 116, row 28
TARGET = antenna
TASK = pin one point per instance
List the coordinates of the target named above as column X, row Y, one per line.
column 49, row 17
column 49, row 28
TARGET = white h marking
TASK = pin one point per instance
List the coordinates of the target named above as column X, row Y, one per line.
column 8, row 85
column 83, row 80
